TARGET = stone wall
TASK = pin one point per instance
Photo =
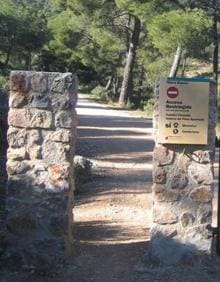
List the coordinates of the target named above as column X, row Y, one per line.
column 41, row 137
column 182, row 194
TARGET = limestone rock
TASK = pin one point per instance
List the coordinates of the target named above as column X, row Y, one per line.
column 63, row 119
column 58, row 178
column 199, row 236
column 17, row 137
column 168, row 196
column 40, row 101
column 19, row 82
column 162, row 215
column 162, row 155
column 39, row 82
column 58, row 85
column 162, row 230
column 17, row 167
column 41, row 119
column 34, row 136
column 202, row 194
column 202, row 156
column 204, row 213
column 61, row 152
column 19, row 117
column 186, row 219
column 18, row 154
column 17, row 100
column 177, row 179
column 60, row 135
column 200, row 173
column 159, row 175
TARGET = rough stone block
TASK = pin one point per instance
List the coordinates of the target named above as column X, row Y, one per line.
column 162, row 155
column 16, row 137
column 58, row 178
column 200, row 173
column 61, row 152
column 202, row 156
column 18, row 100
column 18, row 154
column 187, row 219
column 63, row 119
column 202, row 194
column 34, row 136
column 41, row 119
column 164, row 215
column 40, row 100
column 159, row 175
column 177, row 179
column 60, row 135
column 39, row 82
column 17, row 167
column 19, row 82
column 19, row 118
column 167, row 196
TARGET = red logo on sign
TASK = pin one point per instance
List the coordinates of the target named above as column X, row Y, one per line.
column 172, row 92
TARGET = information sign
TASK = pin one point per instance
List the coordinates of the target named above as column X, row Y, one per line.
column 183, row 111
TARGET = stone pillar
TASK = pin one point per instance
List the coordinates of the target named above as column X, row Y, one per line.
column 41, row 136
column 182, row 194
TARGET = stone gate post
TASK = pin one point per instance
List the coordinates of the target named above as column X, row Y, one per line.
column 182, row 177
column 41, row 137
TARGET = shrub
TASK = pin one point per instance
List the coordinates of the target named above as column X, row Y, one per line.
column 102, row 94
column 82, row 171
column 149, row 106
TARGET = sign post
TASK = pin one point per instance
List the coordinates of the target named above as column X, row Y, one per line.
column 184, row 131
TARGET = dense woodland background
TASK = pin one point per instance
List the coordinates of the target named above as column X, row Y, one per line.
column 117, row 47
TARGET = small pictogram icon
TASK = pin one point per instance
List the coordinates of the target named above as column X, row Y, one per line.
column 172, row 92
column 168, row 125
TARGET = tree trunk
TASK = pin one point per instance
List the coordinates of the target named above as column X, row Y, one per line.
column 176, row 62
column 29, row 61
column 108, row 85
column 128, row 70
column 183, row 66
column 215, row 41
column 8, row 55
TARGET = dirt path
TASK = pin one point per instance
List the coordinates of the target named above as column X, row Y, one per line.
column 113, row 211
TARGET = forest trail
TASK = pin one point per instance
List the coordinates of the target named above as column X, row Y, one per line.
column 112, row 212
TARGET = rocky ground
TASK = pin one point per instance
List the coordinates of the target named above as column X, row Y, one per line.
column 112, row 211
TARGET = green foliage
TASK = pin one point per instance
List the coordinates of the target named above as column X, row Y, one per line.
column 23, row 31
column 102, row 94
column 189, row 29
column 91, row 38
column 148, row 107
column 4, row 85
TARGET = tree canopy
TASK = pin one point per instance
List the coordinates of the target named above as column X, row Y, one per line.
column 119, row 45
